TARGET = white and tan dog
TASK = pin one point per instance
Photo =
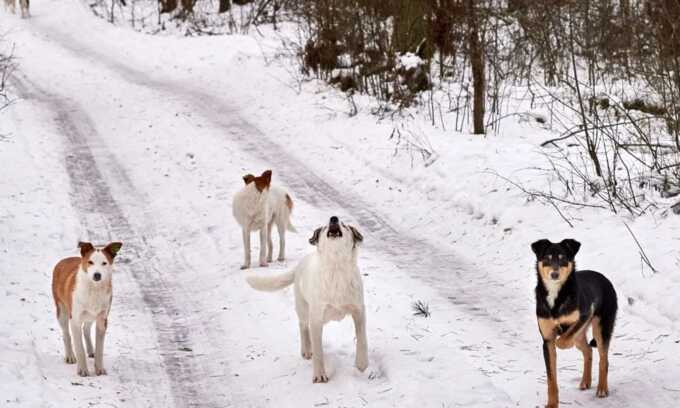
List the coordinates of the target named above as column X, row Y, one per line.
column 82, row 292
column 257, row 207
column 328, row 287
column 24, row 4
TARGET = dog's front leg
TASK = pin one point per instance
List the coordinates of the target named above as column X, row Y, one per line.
column 87, row 326
column 99, row 351
column 77, row 338
column 359, row 317
column 316, row 331
column 550, row 357
column 263, row 246
column 246, row 248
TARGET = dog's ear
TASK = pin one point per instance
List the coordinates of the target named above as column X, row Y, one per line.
column 315, row 236
column 356, row 235
column 85, row 248
column 572, row 246
column 267, row 176
column 540, row 246
column 113, row 248
column 248, row 178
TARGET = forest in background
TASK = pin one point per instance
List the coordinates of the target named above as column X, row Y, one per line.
column 605, row 74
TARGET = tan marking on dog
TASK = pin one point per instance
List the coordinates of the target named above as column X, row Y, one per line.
column 581, row 343
column 553, row 393
column 289, row 202
column 64, row 282
column 564, row 271
column 547, row 328
column 603, row 351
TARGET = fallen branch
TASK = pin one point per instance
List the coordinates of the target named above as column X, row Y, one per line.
column 643, row 255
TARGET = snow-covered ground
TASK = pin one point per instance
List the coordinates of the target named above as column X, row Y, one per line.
column 143, row 139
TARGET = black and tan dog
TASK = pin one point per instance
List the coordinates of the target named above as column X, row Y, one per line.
column 566, row 303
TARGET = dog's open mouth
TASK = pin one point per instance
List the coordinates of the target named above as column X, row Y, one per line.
column 334, row 230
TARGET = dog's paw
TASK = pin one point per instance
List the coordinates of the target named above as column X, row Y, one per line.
column 82, row 371
column 281, row 259
column 361, row 364
column 100, row 370
column 585, row 385
column 306, row 355
column 245, row 267
column 321, row 378
column 70, row 359
column 264, row 264
column 602, row 391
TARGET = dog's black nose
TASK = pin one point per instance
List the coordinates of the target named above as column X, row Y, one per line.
column 97, row 276
column 554, row 275
column 334, row 220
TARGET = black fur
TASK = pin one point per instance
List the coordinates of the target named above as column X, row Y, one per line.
column 581, row 291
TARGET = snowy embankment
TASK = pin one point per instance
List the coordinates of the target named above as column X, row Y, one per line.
column 167, row 127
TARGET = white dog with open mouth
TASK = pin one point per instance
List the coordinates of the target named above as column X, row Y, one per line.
column 328, row 287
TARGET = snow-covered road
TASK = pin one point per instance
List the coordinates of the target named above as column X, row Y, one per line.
column 118, row 136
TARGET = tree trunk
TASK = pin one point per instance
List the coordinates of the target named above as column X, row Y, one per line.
column 477, row 63
column 225, row 5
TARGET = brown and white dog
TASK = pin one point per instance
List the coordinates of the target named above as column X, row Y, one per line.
column 257, row 207
column 11, row 5
column 82, row 292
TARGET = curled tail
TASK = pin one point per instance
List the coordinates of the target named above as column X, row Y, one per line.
column 271, row 283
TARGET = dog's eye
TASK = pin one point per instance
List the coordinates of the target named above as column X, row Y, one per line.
column 90, row 262
column 103, row 263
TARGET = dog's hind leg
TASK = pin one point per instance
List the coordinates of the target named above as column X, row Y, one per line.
column 361, row 360
column 603, row 351
column 62, row 314
column 316, row 335
column 281, row 226
column 302, row 310
column 246, row 248
column 270, row 243
column 87, row 326
column 582, row 344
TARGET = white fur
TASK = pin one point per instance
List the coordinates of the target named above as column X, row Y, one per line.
column 91, row 303
column 553, row 287
column 328, row 287
column 259, row 211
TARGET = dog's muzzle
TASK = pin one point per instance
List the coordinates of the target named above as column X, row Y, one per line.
column 334, row 230
column 97, row 276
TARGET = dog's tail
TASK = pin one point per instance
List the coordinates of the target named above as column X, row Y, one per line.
column 271, row 283
column 289, row 204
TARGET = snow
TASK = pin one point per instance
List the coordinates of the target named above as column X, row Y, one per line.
column 144, row 139
column 409, row 61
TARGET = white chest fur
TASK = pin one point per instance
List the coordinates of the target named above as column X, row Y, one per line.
column 553, row 288
column 90, row 299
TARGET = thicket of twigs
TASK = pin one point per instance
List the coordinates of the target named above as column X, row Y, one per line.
column 6, row 65
column 606, row 71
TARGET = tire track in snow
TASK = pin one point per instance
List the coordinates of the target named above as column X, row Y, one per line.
column 191, row 385
column 440, row 269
